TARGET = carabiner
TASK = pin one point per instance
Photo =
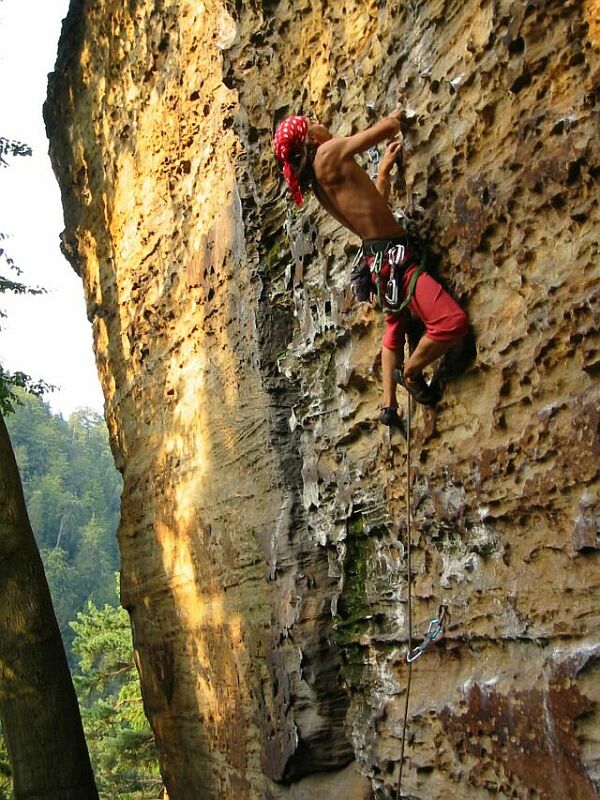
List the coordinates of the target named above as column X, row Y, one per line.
column 391, row 292
column 434, row 629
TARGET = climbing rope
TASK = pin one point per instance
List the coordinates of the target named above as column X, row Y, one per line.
column 436, row 625
column 409, row 585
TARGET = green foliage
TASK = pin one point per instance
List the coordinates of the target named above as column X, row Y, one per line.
column 9, row 398
column 7, row 284
column 72, row 493
column 118, row 735
column 8, row 382
column 5, row 772
column 12, row 147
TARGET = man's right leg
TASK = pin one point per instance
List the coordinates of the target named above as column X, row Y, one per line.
column 392, row 352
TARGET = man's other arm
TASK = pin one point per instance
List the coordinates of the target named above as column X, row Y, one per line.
column 392, row 155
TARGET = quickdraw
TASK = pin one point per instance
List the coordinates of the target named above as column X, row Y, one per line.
column 435, row 629
column 374, row 158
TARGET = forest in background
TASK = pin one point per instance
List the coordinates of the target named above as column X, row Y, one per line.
column 72, row 491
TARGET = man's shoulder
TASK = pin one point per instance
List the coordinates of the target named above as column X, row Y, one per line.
column 331, row 156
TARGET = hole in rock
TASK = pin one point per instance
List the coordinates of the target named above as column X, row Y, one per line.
column 574, row 172
column 522, row 82
column 429, row 199
column 578, row 58
column 517, row 46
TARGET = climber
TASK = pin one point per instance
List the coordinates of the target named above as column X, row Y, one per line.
column 387, row 266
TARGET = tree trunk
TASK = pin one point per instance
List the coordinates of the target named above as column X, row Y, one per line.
column 38, row 706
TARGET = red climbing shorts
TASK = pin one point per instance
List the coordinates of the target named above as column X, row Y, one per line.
column 444, row 319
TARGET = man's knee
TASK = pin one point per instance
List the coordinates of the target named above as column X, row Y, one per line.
column 392, row 340
column 391, row 348
column 455, row 327
column 395, row 331
column 461, row 325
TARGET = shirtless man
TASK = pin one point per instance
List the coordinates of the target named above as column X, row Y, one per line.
column 313, row 158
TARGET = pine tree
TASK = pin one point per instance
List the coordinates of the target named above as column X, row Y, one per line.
column 119, row 736
column 5, row 772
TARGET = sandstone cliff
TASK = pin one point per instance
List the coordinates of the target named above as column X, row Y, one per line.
column 263, row 534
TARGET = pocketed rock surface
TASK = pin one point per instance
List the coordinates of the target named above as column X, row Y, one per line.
column 263, row 532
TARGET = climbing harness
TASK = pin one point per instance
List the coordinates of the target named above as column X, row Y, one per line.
column 436, row 625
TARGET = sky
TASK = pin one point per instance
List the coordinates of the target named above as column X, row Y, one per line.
column 47, row 336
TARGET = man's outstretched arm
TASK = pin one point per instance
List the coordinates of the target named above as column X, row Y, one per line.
column 386, row 128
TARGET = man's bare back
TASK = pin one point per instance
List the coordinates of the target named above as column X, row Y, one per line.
column 347, row 192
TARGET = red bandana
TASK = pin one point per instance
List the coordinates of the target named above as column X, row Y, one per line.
column 289, row 137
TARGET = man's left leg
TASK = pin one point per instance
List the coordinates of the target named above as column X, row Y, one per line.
column 389, row 362
column 425, row 353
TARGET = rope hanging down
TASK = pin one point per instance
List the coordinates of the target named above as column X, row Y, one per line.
column 436, row 625
column 409, row 585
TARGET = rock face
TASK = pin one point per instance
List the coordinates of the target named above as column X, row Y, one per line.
column 263, row 532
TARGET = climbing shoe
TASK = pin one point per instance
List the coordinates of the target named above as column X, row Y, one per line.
column 389, row 417
column 423, row 393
